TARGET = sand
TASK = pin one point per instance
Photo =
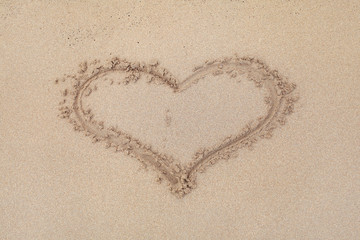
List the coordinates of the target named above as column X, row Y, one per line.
column 101, row 102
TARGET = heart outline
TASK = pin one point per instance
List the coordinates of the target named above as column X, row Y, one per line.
column 181, row 178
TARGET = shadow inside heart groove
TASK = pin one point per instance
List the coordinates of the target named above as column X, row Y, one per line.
column 177, row 128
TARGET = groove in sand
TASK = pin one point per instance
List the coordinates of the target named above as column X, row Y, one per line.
column 181, row 178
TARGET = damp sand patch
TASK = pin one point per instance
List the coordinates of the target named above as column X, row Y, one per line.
column 177, row 128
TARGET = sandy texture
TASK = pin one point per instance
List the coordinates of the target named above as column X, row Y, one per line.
column 280, row 99
column 167, row 83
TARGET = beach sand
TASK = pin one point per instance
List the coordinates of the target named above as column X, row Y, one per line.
column 162, row 90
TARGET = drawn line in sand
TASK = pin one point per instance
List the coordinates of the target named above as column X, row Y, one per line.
column 180, row 177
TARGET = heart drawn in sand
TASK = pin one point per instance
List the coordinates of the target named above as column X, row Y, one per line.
column 181, row 177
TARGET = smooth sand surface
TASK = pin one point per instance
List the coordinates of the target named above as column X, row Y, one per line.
column 302, row 183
